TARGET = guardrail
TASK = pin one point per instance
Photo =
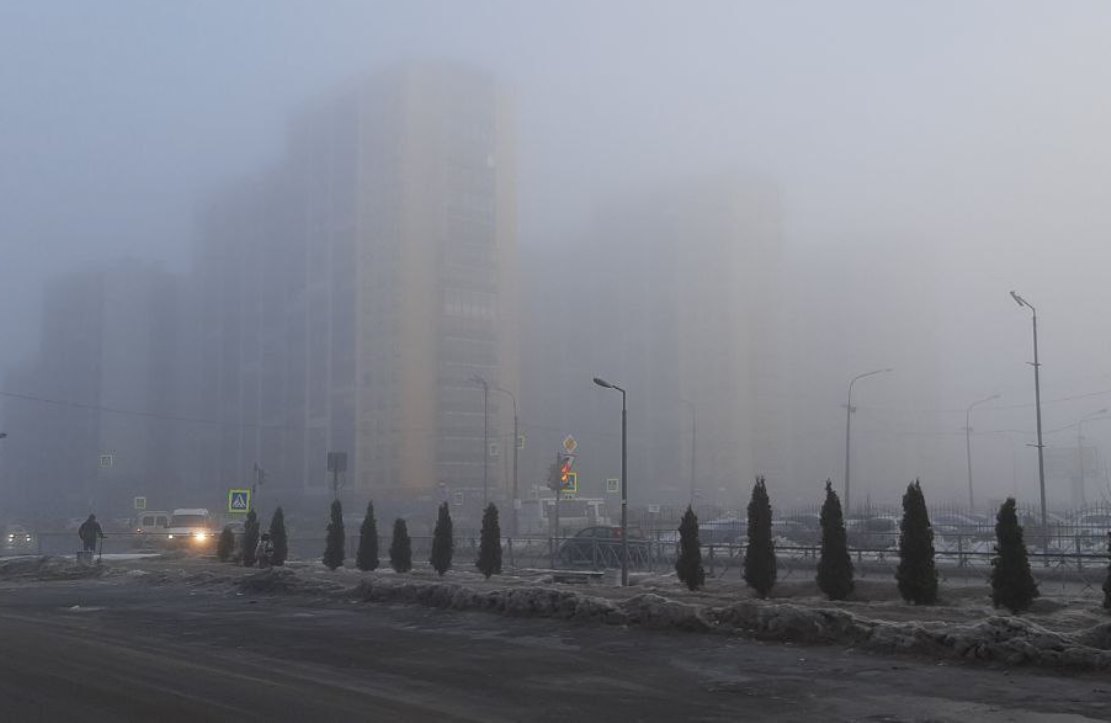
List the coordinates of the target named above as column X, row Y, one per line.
column 969, row 555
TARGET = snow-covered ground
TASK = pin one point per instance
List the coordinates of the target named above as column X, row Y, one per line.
column 1067, row 626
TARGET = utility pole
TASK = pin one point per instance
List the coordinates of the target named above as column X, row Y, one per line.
column 968, row 445
column 516, row 453
column 485, row 438
column 1038, row 411
column 624, row 480
column 1083, row 499
column 694, row 439
column 848, row 429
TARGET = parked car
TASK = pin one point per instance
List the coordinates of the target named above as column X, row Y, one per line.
column 601, row 546
column 801, row 529
column 880, row 532
column 726, row 531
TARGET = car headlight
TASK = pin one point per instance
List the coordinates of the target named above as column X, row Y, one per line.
column 170, row 536
column 11, row 538
column 200, row 536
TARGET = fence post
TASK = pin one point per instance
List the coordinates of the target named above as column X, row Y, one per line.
column 960, row 550
column 712, row 567
column 1079, row 559
column 512, row 562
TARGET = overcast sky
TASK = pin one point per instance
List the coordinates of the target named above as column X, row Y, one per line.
column 930, row 156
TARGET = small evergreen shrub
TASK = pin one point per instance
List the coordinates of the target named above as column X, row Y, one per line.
column 688, row 565
column 760, row 564
column 489, row 547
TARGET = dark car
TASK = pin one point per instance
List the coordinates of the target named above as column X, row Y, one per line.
column 725, row 531
column 599, row 547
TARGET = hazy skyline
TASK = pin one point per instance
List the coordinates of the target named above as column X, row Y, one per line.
column 929, row 158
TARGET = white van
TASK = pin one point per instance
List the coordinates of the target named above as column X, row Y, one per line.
column 153, row 522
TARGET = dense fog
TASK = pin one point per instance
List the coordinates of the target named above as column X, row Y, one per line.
column 737, row 207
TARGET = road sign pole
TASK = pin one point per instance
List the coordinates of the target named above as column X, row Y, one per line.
column 557, row 528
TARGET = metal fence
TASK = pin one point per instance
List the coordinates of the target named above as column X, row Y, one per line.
column 1072, row 552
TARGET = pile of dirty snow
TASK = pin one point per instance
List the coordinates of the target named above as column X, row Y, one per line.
column 47, row 567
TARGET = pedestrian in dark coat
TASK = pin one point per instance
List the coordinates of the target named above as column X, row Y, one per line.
column 89, row 532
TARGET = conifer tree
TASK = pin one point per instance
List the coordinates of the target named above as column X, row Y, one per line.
column 278, row 538
column 835, row 567
column 250, row 539
column 1107, row 580
column 225, row 545
column 916, row 574
column 489, row 547
column 1012, row 584
column 401, row 550
column 443, row 541
column 367, row 556
column 760, row 564
column 334, row 545
column 688, row 565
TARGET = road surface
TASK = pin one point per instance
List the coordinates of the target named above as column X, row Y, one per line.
column 106, row 650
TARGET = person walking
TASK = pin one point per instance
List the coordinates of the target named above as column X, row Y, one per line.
column 264, row 552
column 90, row 532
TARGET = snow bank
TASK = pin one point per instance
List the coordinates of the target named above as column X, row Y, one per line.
column 47, row 567
column 998, row 638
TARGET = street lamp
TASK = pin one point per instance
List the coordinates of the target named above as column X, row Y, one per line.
column 516, row 501
column 1080, row 449
column 694, row 437
column 1038, row 411
column 848, row 428
column 968, row 443
column 624, row 481
column 485, row 437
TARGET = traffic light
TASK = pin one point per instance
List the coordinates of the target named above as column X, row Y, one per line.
column 565, row 471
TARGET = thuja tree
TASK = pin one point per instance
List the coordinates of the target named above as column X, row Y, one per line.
column 760, row 571
column 367, row 556
column 916, row 574
column 688, row 566
column 443, row 541
column 489, row 546
column 225, row 545
column 1012, row 584
column 401, row 549
column 250, row 539
column 1107, row 580
column 278, row 538
column 835, row 567
column 334, row 544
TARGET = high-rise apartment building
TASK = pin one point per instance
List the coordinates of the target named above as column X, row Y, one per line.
column 675, row 295
column 351, row 299
column 94, row 422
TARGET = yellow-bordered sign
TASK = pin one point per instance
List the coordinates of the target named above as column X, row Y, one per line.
column 239, row 500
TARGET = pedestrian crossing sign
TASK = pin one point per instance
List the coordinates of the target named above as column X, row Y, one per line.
column 239, row 500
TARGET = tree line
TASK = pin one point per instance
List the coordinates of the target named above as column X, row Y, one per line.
column 489, row 561
column 1012, row 583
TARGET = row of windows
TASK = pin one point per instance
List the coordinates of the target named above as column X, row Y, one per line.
column 468, row 304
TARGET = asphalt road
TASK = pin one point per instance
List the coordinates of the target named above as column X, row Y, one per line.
column 136, row 652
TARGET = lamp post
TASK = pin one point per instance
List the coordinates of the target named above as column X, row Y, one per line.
column 1080, row 450
column 1038, row 412
column 624, row 481
column 516, row 501
column 694, row 437
column 485, row 438
column 968, row 444
column 848, row 428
